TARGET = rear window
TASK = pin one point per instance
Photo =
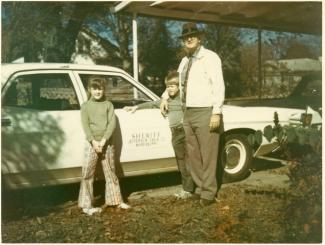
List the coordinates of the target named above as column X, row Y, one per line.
column 41, row 92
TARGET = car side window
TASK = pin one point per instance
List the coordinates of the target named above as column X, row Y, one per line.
column 119, row 91
column 54, row 92
column 313, row 88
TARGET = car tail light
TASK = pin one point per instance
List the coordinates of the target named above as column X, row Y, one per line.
column 306, row 119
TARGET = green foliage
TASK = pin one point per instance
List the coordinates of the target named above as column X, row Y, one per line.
column 155, row 47
column 258, row 136
column 255, row 138
column 251, row 139
column 41, row 30
column 289, row 135
column 115, row 33
column 303, row 146
column 268, row 133
column 224, row 40
column 157, row 52
column 304, row 209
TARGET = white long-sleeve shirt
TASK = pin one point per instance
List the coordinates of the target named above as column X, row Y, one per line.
column 205, row 85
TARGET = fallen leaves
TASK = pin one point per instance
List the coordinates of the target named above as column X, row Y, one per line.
column 241, row 215
column 225, row 208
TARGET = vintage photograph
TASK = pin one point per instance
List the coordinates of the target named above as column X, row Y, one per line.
column 161, row 122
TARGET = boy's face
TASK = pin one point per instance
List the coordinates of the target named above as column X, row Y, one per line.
column 172, row 90
column 97, row 93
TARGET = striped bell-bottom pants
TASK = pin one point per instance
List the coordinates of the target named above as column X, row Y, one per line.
column 112, row 188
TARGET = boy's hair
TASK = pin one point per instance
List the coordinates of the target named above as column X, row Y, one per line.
column 96, row 82
column 172, row 78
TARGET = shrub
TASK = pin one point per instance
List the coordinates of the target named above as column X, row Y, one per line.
column 303, row 146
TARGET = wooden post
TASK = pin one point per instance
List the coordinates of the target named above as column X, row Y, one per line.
column 135, row 52
column 259, row 63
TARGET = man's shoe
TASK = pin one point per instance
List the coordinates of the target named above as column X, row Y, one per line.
column 206, row 202
column 195, row 196
column 122, row 205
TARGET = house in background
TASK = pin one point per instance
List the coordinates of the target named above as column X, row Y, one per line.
column 92, row 49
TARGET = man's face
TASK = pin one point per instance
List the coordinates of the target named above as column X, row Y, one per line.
column 172, row 90
column 191, row 42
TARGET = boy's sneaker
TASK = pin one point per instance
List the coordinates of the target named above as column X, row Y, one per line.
column 91, row 211
column 195, row 197
column 124, row 206
column 183, row 194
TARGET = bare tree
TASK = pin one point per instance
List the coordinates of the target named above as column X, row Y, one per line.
column 117, row 30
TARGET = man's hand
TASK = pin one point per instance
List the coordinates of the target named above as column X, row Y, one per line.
column 131, row 109
column 214, row 122
column 164, row 107
column 96, row 146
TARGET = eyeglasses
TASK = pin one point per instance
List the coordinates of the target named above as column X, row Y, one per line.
column 190, row 36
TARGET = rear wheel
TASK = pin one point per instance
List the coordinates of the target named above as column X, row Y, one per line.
column 236, row 157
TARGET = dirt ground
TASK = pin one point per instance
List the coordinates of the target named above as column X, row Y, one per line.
column 251, row 211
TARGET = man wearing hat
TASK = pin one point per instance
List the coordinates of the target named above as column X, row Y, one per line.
column 202, row 92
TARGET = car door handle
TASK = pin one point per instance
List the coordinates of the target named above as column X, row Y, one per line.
column 5, row 122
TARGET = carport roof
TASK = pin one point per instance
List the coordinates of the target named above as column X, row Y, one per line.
column 290, row 16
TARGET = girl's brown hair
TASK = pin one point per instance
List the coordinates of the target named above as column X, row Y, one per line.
column 96, row 82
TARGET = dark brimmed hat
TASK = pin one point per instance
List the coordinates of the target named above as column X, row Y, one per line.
column 190, row 28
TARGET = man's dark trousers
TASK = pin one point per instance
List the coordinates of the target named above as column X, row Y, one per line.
column 202, row 147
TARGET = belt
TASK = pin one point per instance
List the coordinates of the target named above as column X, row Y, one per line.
column 176, row 129
column 199, row 108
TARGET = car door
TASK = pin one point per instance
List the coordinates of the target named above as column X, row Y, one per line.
column 140, row 136
column 40, row 125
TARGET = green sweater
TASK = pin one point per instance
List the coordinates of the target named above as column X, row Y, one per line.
column 98, row 119
column 175, row 112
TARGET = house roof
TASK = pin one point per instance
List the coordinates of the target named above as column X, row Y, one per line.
column 289, row 16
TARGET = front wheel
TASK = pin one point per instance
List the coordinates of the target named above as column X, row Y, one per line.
column 236, row 157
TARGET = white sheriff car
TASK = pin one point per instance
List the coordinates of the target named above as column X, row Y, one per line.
column 43, row 142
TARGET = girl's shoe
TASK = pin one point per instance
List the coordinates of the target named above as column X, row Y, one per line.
column 124, row 206
column 91, row 211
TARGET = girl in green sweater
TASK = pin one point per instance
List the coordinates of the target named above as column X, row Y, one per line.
column 98, row 122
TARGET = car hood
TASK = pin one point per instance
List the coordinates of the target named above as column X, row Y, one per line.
column 266, row 114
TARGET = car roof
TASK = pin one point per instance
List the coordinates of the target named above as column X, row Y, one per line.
column 8, row 69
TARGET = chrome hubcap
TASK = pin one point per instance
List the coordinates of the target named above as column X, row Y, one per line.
column 234, row 155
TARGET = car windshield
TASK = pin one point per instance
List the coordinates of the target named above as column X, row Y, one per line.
column 310, row 85
column 292, row 85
